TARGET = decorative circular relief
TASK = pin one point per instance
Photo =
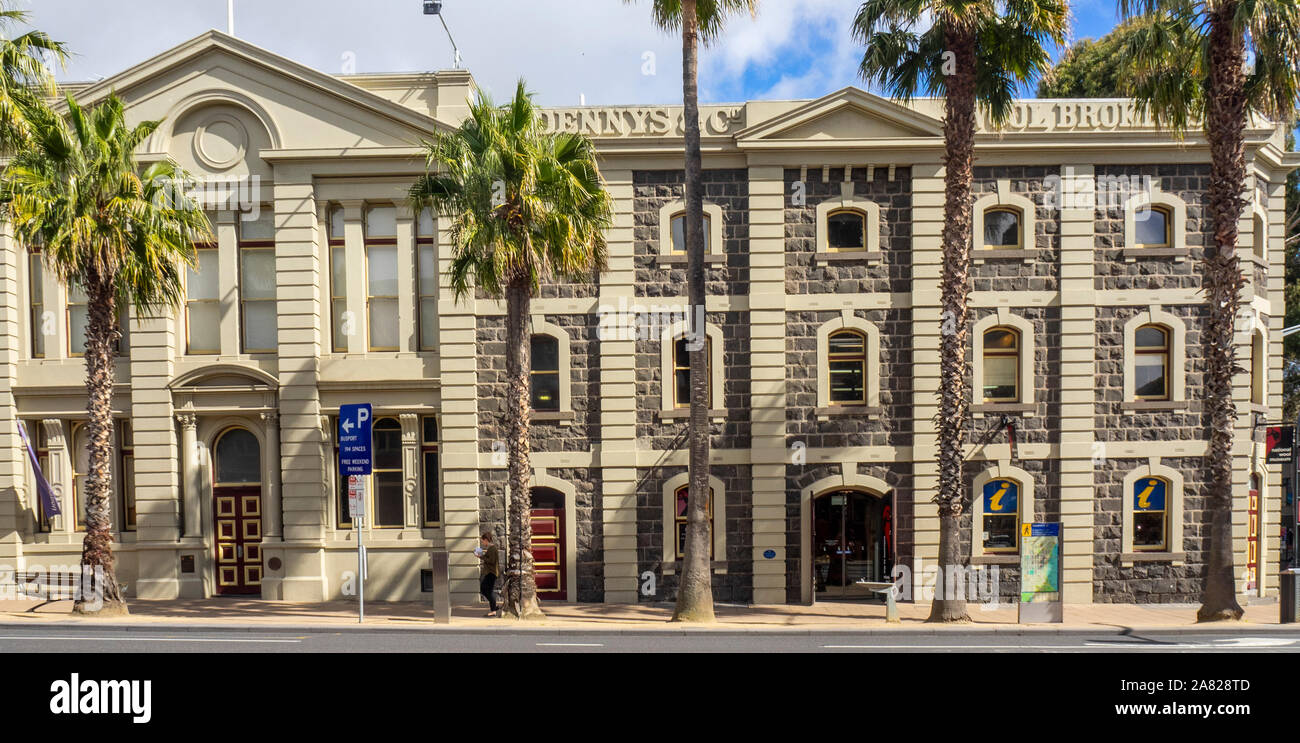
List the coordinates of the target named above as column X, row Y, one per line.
column 220, row 142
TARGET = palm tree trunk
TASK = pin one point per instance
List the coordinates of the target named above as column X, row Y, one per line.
column 1222, row 284
column 97, row 549
column 949, row 604
column 521, row 584
column 695, row 593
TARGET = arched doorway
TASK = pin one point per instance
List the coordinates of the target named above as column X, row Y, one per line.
column 237, row 509
column 852, row 543
column 549, row 544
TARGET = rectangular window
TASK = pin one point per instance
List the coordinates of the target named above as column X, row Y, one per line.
column 202, row 305
column 344, row 518
column 36, row 433
column 1150, row 498
column 429, row 469
column 257, row 282
column 682, row 497
column 381, row 279
column 126, row 473
column 80, row 456
column 338, row 282
column 427, row 270
column 545, row 373
column 78, row 318
column 846, row 354
column 682, row 372
column 36, row 290
column 1001, row 516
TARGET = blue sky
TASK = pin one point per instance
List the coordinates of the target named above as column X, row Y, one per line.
column 600, row 51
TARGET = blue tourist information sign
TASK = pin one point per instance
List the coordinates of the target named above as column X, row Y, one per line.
column 1040, row 573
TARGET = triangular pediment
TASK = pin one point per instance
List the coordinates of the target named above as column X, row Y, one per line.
column 299, row 107
column 848, row 115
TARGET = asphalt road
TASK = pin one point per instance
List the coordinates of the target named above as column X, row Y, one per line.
column 83, row 639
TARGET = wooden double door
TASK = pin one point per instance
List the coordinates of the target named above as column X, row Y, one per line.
column 238, row 520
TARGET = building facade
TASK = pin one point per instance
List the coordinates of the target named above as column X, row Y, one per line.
column 323, row 288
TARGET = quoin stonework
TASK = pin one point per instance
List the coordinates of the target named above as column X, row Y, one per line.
column 323, row 287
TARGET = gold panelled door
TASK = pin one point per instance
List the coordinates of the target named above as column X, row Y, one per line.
column 239, row 540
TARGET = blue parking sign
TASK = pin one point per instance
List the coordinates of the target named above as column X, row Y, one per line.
column 354, row 439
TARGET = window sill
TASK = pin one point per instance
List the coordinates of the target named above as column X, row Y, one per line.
column 982, row 254
column 675, row 260
column 715, row 415
column 848, row 411
column 563, row 417
column 857, row 255
column 995, row 560
column 1153, row 406
column 1131, row 255
column 1257, row 408
column 1252, row 258
column 1003, row 408
column 716, row 567
column 1127, row 559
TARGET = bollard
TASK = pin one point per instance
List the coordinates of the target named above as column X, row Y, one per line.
column 441, row 588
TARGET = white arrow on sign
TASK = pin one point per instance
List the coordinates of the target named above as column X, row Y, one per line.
column 347, row 425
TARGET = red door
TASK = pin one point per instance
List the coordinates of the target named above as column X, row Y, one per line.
column 1252, row 537
column 239, row 540
column 549, row 544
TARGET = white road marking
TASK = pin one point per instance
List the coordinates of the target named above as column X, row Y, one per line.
column 142, row 639
column 570, row 645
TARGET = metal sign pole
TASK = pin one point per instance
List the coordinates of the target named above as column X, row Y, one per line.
column 361, row 571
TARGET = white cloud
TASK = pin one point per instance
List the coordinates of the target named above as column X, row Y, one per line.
column 565, row 49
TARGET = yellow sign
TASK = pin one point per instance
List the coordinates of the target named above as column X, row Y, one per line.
column 1025, row 529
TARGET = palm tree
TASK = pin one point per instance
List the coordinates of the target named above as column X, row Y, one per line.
column 122, row 237
column 698, row 20
column 973, row 52
column 523, row 205
column 1190, row 65
column 24, row 78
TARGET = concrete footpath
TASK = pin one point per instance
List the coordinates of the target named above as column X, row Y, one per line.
column 272, row 616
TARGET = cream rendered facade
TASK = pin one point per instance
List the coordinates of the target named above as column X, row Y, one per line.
column 317, row 143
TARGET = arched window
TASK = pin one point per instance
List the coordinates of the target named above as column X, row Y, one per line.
column 1150, row 514
column 846, row 355
column 679, row 234
column 1001, row 516
column 238, row 458
column 682, row 372
column 1003, row 228
column 846, row 230
column 1151, row 363
column 681, row 497
column 387, row 474
column 1001, row 365
column 1151, row 227
column 545, row 373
